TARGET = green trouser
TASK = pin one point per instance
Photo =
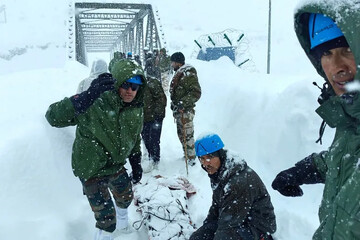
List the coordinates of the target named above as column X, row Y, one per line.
column 185, row 131
column 97, row 192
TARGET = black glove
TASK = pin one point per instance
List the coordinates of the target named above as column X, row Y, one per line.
column 84, row 100
column 135, row 162
column 288, row 181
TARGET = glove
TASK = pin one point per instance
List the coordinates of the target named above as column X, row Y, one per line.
column 288, row 181
column 135, row 162
column 84, row 100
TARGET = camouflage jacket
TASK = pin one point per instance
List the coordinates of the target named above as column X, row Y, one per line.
column 154, row 100
column 164, row 63
column 185, row 89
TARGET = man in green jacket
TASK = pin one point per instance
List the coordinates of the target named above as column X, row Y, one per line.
column 109, row 119
column 154, row 113
column 241, row 206
column 329, row 35
column 118, row 56
column 185, row 91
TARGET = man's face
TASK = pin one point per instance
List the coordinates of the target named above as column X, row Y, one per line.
column 128, row 92
column 175, row 65
column 340, row 68
column 210, row 163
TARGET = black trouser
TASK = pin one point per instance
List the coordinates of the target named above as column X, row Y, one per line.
column 208, row 233
column 151, row 135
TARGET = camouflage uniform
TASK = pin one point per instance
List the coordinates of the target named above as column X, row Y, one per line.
column 151, row 69
column 164, row 63
column 96, row 190
column 118, row 56
column 185, row 91
column 154, row 113
column 105, row 141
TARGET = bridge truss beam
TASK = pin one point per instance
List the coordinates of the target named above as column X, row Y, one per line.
column 111, row 27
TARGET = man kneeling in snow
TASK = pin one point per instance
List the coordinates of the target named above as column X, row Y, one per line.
column 241, row 206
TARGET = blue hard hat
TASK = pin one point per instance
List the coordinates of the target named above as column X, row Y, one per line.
column 207, row 144
column 322, row 29
column 136, row 79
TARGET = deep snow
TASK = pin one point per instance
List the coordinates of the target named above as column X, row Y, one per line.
column 267, row 119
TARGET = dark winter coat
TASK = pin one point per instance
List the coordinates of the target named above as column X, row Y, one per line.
column 339, row 212
column 151, row 69
column 240, row 199
column 108, row 132
column 164, row 62
column 154, row 100
column 185, row 89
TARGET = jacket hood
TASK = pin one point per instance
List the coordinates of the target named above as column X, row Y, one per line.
column 186, row 67
column 344, row 12
column 230, row 162
column 98, row 67
column 126, row 69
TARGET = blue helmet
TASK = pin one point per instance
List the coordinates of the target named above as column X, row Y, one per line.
column 207, row 144
column 136, row 79
column 322, row 29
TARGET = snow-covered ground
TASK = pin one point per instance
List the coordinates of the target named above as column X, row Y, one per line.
column 268, row 119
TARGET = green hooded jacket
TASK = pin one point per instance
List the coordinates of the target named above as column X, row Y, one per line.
column 339, row 212
column 108, row 132
column 154, row 100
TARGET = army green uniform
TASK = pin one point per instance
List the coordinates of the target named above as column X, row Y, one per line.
column 164, row 63
column 154, row 113
column 185, row 91
column 107, row 133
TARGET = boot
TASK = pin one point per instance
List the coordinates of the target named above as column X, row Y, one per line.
column 150, row 166
column 122, row 220
column 103, row 235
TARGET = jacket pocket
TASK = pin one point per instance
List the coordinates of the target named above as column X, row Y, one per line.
column 346, row 227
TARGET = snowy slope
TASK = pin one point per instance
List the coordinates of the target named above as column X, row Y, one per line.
column 268, row 119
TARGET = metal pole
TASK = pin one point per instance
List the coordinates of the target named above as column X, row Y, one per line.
column 269, row 40
column 5, row 13
column 2, row 9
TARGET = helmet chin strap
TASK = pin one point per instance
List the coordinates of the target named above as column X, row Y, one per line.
column 322, row 98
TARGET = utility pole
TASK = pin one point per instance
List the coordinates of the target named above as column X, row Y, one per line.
column 269, row 40
column 2, row 9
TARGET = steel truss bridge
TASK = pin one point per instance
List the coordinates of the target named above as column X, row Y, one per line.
column 110, row 27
